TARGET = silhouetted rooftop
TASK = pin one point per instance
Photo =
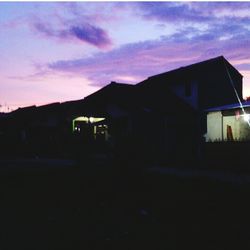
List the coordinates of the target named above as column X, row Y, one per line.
column 203, row 68
column 132, row 97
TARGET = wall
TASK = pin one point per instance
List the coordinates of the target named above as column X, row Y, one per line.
column 240, row 128
column 234, row 124
column 179, row 90
column 214, row 127
column 217, row 127
column 216, row 90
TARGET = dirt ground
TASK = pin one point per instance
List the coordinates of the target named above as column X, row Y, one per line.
column 107, row 207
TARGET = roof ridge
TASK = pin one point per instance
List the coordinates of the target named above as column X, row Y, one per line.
column 190, row 65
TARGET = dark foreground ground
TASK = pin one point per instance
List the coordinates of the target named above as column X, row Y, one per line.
column 101, row 207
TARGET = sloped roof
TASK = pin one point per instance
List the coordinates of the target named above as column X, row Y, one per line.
column 119, row 94
column 115, row 91
column 203, row 69
column 133, row 98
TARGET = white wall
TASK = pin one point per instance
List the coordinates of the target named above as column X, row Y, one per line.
column 235, row 125
column 245, row 131
column 217, row 127
column 240, row 128
column 214, row 126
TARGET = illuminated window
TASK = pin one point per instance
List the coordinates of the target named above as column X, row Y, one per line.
column 101, row 132
column 85, row 120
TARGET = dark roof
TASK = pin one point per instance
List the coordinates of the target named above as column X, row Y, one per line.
column 133, row 98
column 31, row 110
column 197, row 69
column 23, row 111
column 112, row 90
column 126, row 97
column 116, row 94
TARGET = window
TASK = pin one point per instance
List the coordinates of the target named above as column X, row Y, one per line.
column 188, row 89
column 101, row 132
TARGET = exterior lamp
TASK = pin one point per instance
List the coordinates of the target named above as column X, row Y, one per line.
column 91, row 119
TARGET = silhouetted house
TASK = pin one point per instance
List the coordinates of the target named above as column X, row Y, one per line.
column 106, row 116
column 202, row 85
column 136, row 121
column 42, row 130
column 172, row 130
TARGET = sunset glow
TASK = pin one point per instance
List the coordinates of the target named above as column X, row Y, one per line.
column 61, row 51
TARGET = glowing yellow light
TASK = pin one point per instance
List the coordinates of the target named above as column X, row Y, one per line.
column 86, row 120
column 95, row 119
column 81, row 118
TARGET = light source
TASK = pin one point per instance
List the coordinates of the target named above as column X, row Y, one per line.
column 246, row 117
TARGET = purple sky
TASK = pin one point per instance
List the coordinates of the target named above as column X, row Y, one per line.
column 58, row 51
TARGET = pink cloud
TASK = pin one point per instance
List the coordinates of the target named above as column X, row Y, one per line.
column 135, row 62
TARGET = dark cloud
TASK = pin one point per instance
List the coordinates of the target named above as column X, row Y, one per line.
column 171, row 12
column 217, row 7
column 191, row 12
column 140, row 60
column 87, row 33
column 228, row 29
column 91, row 34
column 200, row 33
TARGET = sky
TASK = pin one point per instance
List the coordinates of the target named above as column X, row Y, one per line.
column 61, row 51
